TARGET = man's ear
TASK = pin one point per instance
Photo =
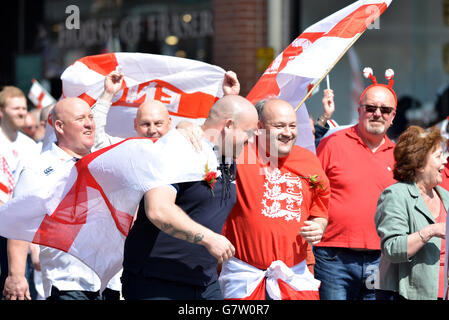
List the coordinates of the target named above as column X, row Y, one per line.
column 229, row 124
column 58, row 125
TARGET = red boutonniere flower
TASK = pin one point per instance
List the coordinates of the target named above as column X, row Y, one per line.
column 314, row 181
column 210, row 177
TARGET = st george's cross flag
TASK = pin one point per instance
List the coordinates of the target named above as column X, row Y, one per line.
column 188, row 88
column 6, row 180
column 87, row 208
column 39, row 96
column 311, row 55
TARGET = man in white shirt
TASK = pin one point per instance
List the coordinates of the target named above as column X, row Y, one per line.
column 64, row 276
column 15, row 147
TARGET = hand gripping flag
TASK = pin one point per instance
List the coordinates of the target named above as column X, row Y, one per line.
column 311, row 56
column 88, row 208
column 39, row 96
column 187, row 87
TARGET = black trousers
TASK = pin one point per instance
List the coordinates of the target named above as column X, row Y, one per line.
column 108, row 294
column 57, row 294
column 136, row 287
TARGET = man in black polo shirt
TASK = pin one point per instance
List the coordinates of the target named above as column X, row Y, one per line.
column 175, row 244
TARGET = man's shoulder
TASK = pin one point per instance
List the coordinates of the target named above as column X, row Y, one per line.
column 340, row 134
column 45, row 161
column 23, row 140
column 299, row 152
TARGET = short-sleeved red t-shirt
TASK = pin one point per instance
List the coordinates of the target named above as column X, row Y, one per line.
column 357, row 176
column 272, row 206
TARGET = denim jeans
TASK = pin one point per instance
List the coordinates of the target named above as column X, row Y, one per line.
column 346, row 274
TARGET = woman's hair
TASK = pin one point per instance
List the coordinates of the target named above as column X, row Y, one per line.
column 411, row 151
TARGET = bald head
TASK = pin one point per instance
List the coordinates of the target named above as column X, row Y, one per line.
column 231, row 123
column 30, row 127
column 277, row 119
column 379, row 93
column 276, row 108
column 152, row 119
column 231, row 107
column 67, row 106
column 74, row 126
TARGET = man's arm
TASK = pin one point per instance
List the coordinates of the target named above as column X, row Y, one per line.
column 16, row 284
column 112, row 84
column 162, row 211
column 231, row 84
column 313, row 230
column 321, row 126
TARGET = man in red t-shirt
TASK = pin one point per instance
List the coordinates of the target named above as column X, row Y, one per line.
column 282, row 202
column 358, row 162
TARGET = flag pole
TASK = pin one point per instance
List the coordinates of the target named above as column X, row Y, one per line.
column 327, row 72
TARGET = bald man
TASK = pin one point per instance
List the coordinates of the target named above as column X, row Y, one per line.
column 64, row 277
column 358, row 162
column 30, row 126
column 152, row 118
column 278, row 211
column 175, row 244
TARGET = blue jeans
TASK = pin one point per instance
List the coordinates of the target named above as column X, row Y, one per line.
column 346, row 274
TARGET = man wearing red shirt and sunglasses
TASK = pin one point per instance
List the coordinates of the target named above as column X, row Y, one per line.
column 358, row 162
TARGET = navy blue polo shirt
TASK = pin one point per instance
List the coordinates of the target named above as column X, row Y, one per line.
column 150, row 252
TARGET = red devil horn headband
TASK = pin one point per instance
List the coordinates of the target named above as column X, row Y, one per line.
column 389, row 75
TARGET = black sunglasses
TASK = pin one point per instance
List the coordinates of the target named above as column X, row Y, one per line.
column 383, row 110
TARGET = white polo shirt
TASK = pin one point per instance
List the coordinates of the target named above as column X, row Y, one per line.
column 59, row 268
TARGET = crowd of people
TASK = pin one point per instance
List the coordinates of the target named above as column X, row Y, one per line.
column 362, row 219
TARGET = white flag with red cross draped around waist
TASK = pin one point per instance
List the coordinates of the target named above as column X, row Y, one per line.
column 311, row 55
column 188, row 88
column 87, row 208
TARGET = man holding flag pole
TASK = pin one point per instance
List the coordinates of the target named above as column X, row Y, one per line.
column 293, row 76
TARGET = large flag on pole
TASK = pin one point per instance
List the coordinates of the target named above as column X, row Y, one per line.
column 87, row 209
column 295, row 72
column 187, row 87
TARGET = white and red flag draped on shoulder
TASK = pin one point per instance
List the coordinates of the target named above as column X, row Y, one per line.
column 39, row 96
column 87, row 209
column 311, row 56
column 187, row 87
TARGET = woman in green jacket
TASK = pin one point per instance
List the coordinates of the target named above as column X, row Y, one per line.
column 411, row 220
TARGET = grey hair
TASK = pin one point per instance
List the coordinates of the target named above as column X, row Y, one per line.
column 261, row 104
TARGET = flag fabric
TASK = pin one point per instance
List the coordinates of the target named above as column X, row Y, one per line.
column 87, row 209
column 239, row 280
column 6, row 180
column 311, row 55
column 187, row 87
column 39, row 96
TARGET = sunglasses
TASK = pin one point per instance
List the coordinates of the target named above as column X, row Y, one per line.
column 383, row 110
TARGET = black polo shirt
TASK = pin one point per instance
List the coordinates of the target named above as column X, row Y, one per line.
column 150, row 252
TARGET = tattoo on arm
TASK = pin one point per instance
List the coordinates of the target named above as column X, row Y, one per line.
column 187, row 235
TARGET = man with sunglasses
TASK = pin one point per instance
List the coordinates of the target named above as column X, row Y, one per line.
column 358, row 162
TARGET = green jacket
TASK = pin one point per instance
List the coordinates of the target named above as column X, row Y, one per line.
column 402, row 211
